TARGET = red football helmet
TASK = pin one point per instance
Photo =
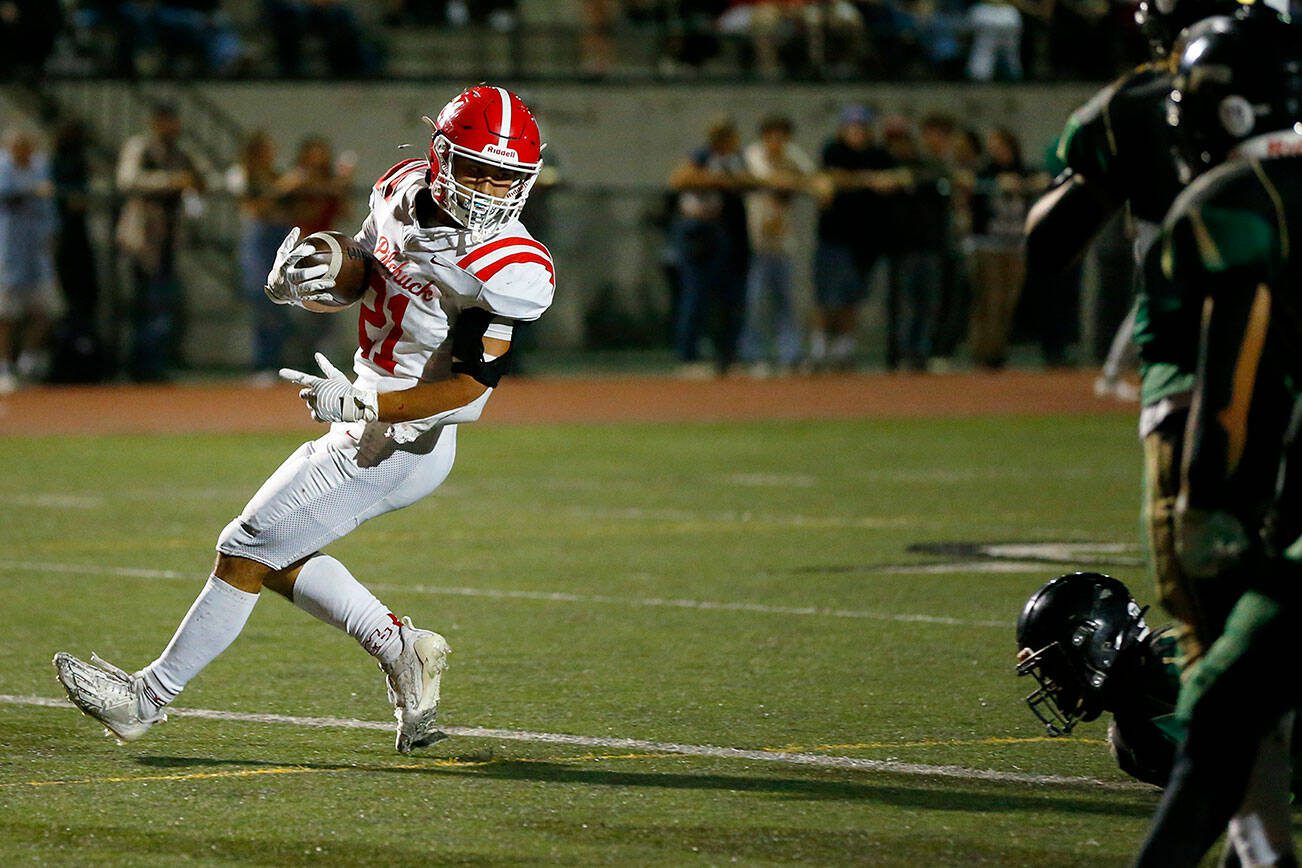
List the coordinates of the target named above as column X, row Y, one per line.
column 488, row 125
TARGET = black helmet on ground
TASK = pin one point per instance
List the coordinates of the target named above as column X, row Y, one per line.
column 1076, row 628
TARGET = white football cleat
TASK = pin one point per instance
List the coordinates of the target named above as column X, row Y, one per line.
column 413, row 681
column 105, row 693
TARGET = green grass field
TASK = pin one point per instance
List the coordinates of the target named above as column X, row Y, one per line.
column 565, row 565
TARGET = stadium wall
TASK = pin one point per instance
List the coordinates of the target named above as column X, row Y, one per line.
column 612, row 135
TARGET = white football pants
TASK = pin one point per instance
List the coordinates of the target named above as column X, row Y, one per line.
column 331, row 485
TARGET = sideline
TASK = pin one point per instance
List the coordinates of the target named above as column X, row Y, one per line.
column 235, row 407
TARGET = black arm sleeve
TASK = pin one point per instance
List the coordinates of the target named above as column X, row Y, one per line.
column 468, row 349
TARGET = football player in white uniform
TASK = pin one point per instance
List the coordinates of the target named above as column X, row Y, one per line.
column 453, row 268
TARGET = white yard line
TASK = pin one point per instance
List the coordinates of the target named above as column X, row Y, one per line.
column 698, row 750
column 551, row 596
column 746, row 517
column 55, row 501
column 705, row 605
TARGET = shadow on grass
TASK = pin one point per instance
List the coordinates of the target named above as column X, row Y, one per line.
column 194, row 762
column 885, row 789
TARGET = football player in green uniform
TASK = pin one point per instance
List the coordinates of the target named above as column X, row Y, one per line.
column 1083, row 638
column 1120, row 151
column 1227, row 250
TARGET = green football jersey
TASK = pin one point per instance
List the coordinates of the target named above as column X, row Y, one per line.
column 1121, row 142
column 1227, row 248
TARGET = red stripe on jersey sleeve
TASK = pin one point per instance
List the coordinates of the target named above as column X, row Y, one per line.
column 397, row 169
column 476, row 255
column 488, row 271
column 385, row 185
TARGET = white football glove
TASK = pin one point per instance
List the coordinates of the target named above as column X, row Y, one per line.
column 288, row 284
column 333, row 398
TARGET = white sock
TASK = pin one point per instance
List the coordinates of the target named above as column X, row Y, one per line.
column 216, row 618
column 326, row 590
column 842, row 348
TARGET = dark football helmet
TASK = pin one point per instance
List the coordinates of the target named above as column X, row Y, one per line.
column 1076, row 627
column 1236, row 78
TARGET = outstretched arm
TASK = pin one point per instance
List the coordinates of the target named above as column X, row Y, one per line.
column 478, row 363
column 1063, row 222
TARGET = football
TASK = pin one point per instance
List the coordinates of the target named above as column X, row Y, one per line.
column 350, row 266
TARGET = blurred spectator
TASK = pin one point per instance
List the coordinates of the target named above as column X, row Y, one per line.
column 849, row 235
column 263, row 225
column 689, row 36
column 710, row 247
column 29, row 299
column 918, row 234
column 966, row 156
column 835, row 32
column 598, row 43
column 164, row 34
column 346, row 50
column 818, row 37
column 773, row 27
column 781, row 169
column 1004, row 188
column 996, row 41
column 27, row 32
column 937, row 134
column 99, row 31
column 317, row 185
column 158, row 177
column 79, row 356
column 500, row 15
column 942, row 28
column 316, row 191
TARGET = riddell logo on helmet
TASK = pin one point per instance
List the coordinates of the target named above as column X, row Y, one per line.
column 505, row 153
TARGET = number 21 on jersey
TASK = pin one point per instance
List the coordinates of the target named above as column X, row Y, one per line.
column 379, row 328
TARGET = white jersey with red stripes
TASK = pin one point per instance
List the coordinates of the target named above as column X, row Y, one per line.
column 428, row 276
